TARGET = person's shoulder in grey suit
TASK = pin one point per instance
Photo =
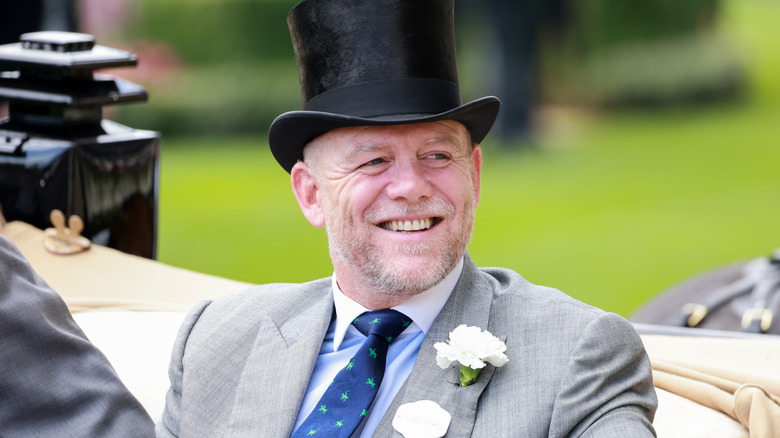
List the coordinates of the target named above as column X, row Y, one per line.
column 53, row 381
column 574, row 370
column 229, row 345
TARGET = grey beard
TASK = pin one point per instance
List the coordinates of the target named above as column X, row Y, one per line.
column 399, row 284
column 345, row 247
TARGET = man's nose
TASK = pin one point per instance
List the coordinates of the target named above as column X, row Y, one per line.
column 409, row 182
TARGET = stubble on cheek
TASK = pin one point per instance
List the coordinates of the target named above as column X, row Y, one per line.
column 399, row 269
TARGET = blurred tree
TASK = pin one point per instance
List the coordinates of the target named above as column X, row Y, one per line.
column 599, row 53
column 517, row 25
column 602, row 24
column 656, row 53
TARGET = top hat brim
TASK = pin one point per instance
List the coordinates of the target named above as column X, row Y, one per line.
column 293, row 130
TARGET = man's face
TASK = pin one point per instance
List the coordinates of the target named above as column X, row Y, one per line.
column 397, row 202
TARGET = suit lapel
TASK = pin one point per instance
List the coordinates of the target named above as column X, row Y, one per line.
column 469, row 304
column 272, row 384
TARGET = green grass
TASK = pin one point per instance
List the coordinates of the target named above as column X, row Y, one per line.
column 611, row 208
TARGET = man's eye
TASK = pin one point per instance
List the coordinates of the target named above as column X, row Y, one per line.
column 374, row 162
column 439, row 156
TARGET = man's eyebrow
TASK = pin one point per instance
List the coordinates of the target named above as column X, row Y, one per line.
column 447, row 139
column 443, row 139
column 364, row 148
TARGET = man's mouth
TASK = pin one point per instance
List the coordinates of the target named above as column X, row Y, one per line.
column 413, row 225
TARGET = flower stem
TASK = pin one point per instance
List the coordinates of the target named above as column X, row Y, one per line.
column 468, row 375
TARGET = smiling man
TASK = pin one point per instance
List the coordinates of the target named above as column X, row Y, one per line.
column 386, row 158
column 397, row 202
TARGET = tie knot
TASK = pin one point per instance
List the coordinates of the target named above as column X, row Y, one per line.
column 385, row 323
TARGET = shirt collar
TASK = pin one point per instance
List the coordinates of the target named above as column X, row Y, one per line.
column 423, row 308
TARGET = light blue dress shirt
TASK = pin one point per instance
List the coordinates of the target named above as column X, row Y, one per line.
column 343, row 340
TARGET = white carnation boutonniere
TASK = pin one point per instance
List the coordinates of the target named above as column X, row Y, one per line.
column 471, row 348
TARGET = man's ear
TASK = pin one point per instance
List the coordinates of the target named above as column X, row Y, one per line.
column 307, row 193
column 476, row 170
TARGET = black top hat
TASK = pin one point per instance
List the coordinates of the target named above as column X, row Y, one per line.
column 374, row 62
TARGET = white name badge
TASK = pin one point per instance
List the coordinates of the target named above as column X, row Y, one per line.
column 421, row 419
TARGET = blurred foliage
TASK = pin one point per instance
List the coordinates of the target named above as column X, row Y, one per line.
column 217, row 31
column 234, row 99
column 602, row 24
column 642, row 53
column 227, row 66
column 691, row 69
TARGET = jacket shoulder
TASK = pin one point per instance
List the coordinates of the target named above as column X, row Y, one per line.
column 509, row 286
column 234, row 320
column 274, row 299
column 519, row 306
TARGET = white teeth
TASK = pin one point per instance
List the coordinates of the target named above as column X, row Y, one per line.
column 415, row 225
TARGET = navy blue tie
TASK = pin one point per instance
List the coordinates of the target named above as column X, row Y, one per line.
column 347, row 399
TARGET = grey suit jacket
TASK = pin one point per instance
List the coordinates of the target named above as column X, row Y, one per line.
column 53, row 381
column 241, row 364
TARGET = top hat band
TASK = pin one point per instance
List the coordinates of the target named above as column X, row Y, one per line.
column 391, row 96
